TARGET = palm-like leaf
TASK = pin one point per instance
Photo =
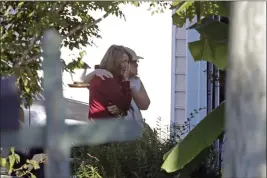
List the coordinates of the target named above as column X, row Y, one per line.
column 201, row 137
column 212, row 46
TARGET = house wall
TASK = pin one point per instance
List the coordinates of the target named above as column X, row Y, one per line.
column 189, row 81
column 179, row 72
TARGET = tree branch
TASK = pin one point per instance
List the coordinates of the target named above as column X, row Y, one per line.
column 72, row 31
column 36, row 38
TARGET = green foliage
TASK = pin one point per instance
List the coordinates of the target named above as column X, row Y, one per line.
column 157, row 7
column 142, row 157
column 200, row 138
column 212, row 46
column 139, row 158
column 9, row 162
column 21, row 27
column 204, row 165
column 85, row 171
column 191, row 9
column 24, row 170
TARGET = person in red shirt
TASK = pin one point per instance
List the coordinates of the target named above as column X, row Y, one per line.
column 112, row 91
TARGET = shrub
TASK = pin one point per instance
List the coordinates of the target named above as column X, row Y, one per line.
column 210, row 167
column 141, row 158
column 8, row 165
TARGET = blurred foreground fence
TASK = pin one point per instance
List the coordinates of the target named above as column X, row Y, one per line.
column 56, row 136
column 245, row 153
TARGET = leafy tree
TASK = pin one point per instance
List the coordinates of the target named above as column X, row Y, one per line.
column 21, row 28
column 22, row 24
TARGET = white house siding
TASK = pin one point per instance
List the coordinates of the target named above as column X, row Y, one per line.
column 189, row 82
column 179, row 71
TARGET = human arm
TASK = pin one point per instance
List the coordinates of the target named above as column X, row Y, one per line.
column 141, row 97
column 102, row 73
column 87, row 78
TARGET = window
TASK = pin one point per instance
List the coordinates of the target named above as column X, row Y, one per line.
column 216, row 82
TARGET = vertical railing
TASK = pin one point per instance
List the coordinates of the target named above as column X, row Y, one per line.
column 55, row 106
column 246, row 92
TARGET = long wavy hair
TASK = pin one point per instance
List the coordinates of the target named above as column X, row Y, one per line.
column 111, row 60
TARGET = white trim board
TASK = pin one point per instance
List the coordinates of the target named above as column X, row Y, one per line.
column 189, row 81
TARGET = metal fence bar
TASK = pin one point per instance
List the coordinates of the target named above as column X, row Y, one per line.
column 245, row 153
column 55, row 106
column 102, row 131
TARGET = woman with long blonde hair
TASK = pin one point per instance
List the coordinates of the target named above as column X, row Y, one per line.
column 112, row 91
column 140, row 99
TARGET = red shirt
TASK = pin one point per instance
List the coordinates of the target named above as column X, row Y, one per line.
column 108, row 92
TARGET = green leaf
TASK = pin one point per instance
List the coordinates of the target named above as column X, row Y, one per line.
column 212, row 46
column 31, row 14
column 29, row 22
column 212, row 29
column 19, row 173
column 17, row 158
column 201, row 137
column 210, row 51
column 136, row 3
column 11, row 159
column 12, row 150
column 198, row 11
column 178, row 20
column 219, row 8
column 20, row 4
column 167, row 154
column 32, row 175
column 3, row 162
column 188, row 10
column 27, row 89
column 222, row 8
column 34, row 163
column 82, row 53
column 175, row 4
column 184, row 7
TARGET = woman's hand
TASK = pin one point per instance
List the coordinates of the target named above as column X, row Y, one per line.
column 114, row 110
column 102, row 73
column 127, row 73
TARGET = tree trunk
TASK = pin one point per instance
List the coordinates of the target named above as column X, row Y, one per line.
column 246, row 92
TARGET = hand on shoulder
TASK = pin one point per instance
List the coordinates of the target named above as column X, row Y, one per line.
column 102, row 73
